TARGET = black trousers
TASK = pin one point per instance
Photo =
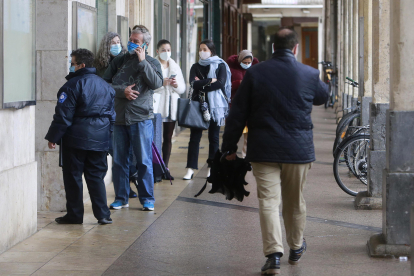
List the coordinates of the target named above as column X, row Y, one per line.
column 194, row 144
column 93, row 165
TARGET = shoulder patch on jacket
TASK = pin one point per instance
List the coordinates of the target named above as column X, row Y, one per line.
column 63, row 97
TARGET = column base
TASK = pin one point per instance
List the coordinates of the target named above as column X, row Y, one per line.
column 377, row 247
column 365, row 103
column 365, row 202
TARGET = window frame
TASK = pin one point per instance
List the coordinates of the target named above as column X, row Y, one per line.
column 24, row 103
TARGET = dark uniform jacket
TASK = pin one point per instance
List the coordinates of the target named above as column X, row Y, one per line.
column 126, row 70
column 84, row 114
column 276, row 98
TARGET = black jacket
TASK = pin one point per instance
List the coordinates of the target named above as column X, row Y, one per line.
column 204, row 84
column 276, row 98
column 84, row 114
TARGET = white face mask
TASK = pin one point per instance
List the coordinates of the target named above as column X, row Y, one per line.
column 204, row 55
column 245, row 66
column 165, row 56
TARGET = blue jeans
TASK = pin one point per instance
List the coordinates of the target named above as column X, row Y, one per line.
column 132, row 167
column 138, row 136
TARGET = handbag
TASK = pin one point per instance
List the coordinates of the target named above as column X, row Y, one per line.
column 189, row 113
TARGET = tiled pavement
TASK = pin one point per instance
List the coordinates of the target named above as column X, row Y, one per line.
column 207, row 235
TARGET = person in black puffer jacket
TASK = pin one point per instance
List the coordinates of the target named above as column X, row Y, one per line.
column 83, row 120
column 275, row 98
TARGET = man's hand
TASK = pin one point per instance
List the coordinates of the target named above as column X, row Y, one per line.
column 231, row 157
column 131, row 94
column 197, row 79
column 51, row 145
column 173, row 83
column 140, row 51
column 166, row 82
column 213, row 80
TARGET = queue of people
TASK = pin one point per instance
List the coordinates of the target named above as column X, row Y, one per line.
column 107, row 105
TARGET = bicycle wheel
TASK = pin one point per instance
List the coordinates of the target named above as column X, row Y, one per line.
column 345, row 131
column 351, row 164
column 344, row 121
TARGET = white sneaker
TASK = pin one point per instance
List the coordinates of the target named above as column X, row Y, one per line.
column 189, row 175
column 208, row 172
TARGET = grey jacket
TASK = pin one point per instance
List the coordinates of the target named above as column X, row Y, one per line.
column 146, row 75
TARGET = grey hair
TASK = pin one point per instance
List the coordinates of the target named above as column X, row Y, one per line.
column 103, row 56
column 141, row 29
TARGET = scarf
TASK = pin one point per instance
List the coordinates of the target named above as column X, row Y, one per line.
column 219, row 107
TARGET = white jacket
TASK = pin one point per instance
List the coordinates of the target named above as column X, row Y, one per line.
column 163, row 105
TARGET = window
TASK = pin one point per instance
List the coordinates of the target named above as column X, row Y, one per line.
column 17, row 73
column 84, row 27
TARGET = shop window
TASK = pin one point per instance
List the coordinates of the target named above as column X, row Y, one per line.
column 102, row 7
column 123, row 29
column 84, row 27
column 17, row 73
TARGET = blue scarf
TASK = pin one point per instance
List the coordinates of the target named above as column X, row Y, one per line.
column 219, row 107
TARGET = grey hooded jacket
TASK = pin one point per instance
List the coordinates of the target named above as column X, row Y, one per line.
column 126, row 70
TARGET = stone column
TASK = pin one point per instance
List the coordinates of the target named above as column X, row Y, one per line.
column 53, row 43
column 372, row 199
column 398, row 177
column 366, row 6
column 346, row 48
column 340, row 58
column 355, row 49
column 53, row 47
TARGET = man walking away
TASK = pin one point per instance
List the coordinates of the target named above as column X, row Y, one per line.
column 275, row 98
column 84, row 117
column 134, row 76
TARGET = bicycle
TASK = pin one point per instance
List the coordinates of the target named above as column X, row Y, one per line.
column 330, row 79
column 353, row 118
column 350, row 165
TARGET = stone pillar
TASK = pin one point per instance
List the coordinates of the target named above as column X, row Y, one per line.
column 346, row 51
column 339, row 58
column 53, row 47
column 53, row 27
column 398, row 177
column 366, row 6
column 372, row 199
column 355, row 48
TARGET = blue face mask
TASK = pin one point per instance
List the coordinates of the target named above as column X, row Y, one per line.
column 115, row 49
column 71, row 68
column 245, row 66
column 132, row 46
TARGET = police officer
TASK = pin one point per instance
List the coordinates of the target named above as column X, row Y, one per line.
column 83, row 120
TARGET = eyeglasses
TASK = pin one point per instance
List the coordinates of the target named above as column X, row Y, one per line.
column 73, row 64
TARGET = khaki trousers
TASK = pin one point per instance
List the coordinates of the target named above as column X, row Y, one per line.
column 276, row 181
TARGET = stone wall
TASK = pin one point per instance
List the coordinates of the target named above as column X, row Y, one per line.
column 18, row 174
column 53, row 46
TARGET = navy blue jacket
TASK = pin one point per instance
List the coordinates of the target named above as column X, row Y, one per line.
column 275, row 98
column 84, row 114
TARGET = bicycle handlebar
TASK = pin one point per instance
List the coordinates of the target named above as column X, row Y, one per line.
column 348, row 78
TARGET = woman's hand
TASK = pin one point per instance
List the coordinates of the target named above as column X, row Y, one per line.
column 166, row 82
column 173, row 83
column 213, row 80
column 197, row 79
